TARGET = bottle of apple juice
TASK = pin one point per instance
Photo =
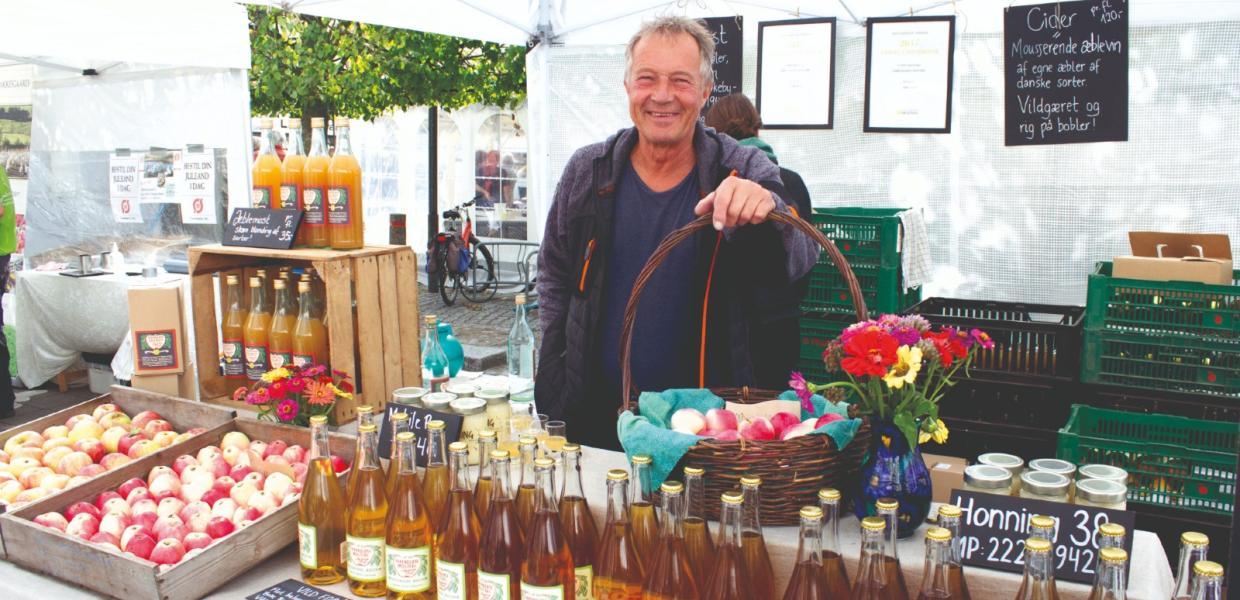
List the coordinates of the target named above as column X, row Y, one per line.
column 321, row 512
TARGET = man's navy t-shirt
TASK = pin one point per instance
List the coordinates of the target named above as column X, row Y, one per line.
column 661, row 350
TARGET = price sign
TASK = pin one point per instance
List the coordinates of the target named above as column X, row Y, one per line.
column 729, row 54
column 290, row 589
column 262, row 228
column 419, row 417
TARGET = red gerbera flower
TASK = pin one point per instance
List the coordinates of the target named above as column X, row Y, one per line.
column 947, row 350
column 869, row 353
column 297, row 384
column 278, row 390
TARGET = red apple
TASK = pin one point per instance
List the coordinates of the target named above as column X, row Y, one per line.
column 155, row 426
column 339, row 465
column 224, row 484
column 146, row 521
column 72, row 463
column 182, row 461
column 299, row 472
column 138, row 495
column 145, row 505
column 224, row 507
column 104, row 497
column 758, row 429
column 166, row 486
column 195, row 489
column 278, row 485
column 827, row 418
column 212, row 496
column 141, row 448
column 798, row 430
column 157, row 472
column 114, row 460
column 197, row 539
column 239, row 472
column 170, row 527
column 219, row 466
column 130, row 485
column 169, row 507
column 275, row 448
column 206, row 454
column 246, row 515
column 141, row 419
column 730, row 435
column 78, row 508
column 131, row 531
column 104, row 409
column 219, row 527
column 263, row 501
column 83, row 526
column 127, row 441
column 258, row 447
column 195, row 515
column 78, row 418
column 140, row 545
column 54, row 520
column 105, row 539
column 781, row 421
column 117, row 505
column 115, row 524
column 295, row 454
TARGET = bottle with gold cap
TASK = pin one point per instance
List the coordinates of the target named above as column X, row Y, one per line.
column 618, row 573
column 726, row 580
column 265, row 187
column 314, row 188
column 321, row 513
column 458, row 534
column 1207, row 580
column 501, row 549
column 1039, row 579
column 889, row 510
column 309, row 335
column 232, row 330
column 482, row 487
column 547, row 573
column 1111, row 576
column 579, row 529
column 949, row 519
column 293, row 172
column 669, row 576
column 365, row 416
column 527, row 490
column 436, row 480
column 1194, row 546
column 641, row 510
column 344, row 193
column 832, row 561
column 871, row 580
column 1044, row 527
column 1111, row 535
column 400, row 423
column 367, row 527
column 697, row 532
column 808, row 582
column 254, row 335
column 753, row 542
column 280, row 332
column 409, row 531
column 936, row 576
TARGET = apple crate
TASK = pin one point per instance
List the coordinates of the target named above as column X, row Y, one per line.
column 118, row 575
column 372, row 316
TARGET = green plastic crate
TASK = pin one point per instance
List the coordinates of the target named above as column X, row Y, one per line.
column 1186, row 309
column 865, row 236
column 816, row 333
column 882, row 288
column 1171, row 461
column 1162, row 362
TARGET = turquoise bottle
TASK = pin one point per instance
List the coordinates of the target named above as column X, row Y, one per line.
column 451, row 347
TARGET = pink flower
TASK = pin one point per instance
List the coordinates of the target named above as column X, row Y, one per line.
column 797, row 383
column 279, row 390
column 982, row 338
column 287, row 410
column 239, row 394
column 296, row 385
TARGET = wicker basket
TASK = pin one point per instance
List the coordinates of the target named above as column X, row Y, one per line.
column 792, row 471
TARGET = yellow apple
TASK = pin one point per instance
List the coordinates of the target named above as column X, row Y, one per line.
column 55, row 481
column 86, row 429
column 114, row 419
column 164, row 439
column 9, row 490
column 55, row 431
column 21, row 464
column 52, row 457
column 73, row 462
column 32, row 477
column 112, row 438
column 25, row 438
column 31, row 495
column 104, row 409
column 35, row 453
column 56, row 442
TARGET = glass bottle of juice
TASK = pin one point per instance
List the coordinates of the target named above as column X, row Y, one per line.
column 409, row 531
column 436, row 480
column 321, row 513
column 482, row 487
column 367, row 529
column 807, row 582
column 889, row 509
column 502, row 547
column 309, row 337
column 434, row 360
column 280, row 334
column 1039, row 580
column 526, row 490
column 265, row 191
column 1207, row 580
column 365, row 416
column 1111, row 577
column 254, row 335
column 456, row 556
column 936, row 576
column 344, row 193
column 871, row 580
column 232, row 329
column 547, row 573
column 753, row 544
column 579, row 528
column 1194, row 546
column 1110, row 535
column 400, row 423
column 697, row 533
column 619, row 575
column 832, row 561
column 949, row 519
column 293, row 173
column 669, row 577
column 642, row 518
column 314, row 188
column 727, row 579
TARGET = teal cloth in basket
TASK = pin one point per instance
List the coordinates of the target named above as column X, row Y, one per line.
column 841, row 432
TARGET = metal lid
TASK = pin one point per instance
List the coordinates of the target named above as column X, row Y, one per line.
column 1038, row 544
column 458, row 447
column 487, row 434
column 1042, row 522
column 1102, row 472
column 529, row 440
column 887, row 504
column 365, row 409
column 318, row 420
column 367, row 428
column 1043, row 483
column 751, row 480
column 1113, row 555
column 1053, row 465
column 1101, row 491
column 435, row 424
column 468, row 406
column 231, row 279
column 543, row 463
column 617, row 475
column 1194, row 538
column 460, row 388
column 1111, row 530
column 874, row 523
column 640, row 459
column 303, row 286
column 1010, row 462
column 438, row 400
column 1208, row 568
column 695, row 471
column 938, row 534
column 492, row 396
column 404, row 436
column 500, row 455
column 571, row 448
column 950, row 511
column 405, row 395
column 987, row 477
column 811, row 512
column 278, row 284
column 733, row 498
column 400, row 416
column 829, row 494
column 256, row 282
column 670, row 487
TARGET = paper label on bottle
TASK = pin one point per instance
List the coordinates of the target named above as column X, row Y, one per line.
column 260, row 197
column 338, row 201
column 289, row 194
column 302, row 360
column 255, row 362
column 584, row 585
column 312, row 203
column 232, row 350
column 493, row 586
column 450, row 580
column 308, row 546
column 365, row 558
column 409, row 569
column 535, row 592
column 279, row 359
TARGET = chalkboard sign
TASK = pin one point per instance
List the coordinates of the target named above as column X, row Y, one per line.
column 419, row 417
column 729, row 56
column 1066, row 72
column 994, row 529
column 291, row 589
column 272, row 228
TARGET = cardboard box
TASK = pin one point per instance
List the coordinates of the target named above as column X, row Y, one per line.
column 161, row 384
column 1161, row 256
column 157, row 322
column 946, row 474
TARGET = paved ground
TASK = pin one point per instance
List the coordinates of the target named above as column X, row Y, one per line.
column 37, row 403
column 482, row 328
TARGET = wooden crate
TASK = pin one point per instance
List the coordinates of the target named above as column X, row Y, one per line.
column 381, row 340
column 71, row 559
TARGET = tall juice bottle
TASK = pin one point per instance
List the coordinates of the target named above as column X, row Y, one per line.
column 314, row 188
column 936, row 576
column 1207, row 580
column 482, row 487
column 1194, row 546
column 889, row 509
column 293, row 174
column 642, row 517
column 832, row 561
column 321, row 512
column 409, row 531
column 547, row 573
column 1110, row 535
column 232, row 329
column 400, row 423
column 436, row 480
column 669, row 576
column 365, row 416
column 753, row 544
column 697, row 533
column 254, row 334
column 871, row 582
column 456, row 555
column 265, row 189
column 502, row 547
column 367, row 528
column 807, row 581
column 309, row 338
column 344, row 193
column 619, row 574
column 268, row 290
column 1041, row 526
column 526, row 490
column 280, row 333
column 1111, row 576
column 949, row 519
column 579, row 528
column 1039, row 580
column 727, row 579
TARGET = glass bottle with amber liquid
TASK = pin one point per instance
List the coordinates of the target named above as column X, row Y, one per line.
column 1207, row 580
column 321, row 513
column 309, row 336
column 367, row 529
column 436, row 481
column 232, row 330
column 254, row 335
column 266, row 172
column 753, row 544
column 726, row 579
column 642, row 519
column 456, row 551
column 502, row 547
column 1194, row 546
column 833, row 570
column 697, row 533
column 365, row 416
column 409, row 531
column 889, row 510
column 482, row 487
column 579, row 529
column 547, row 573
column 293, row 173
column 400, row 423
column 1039, row 580
column 1111, row 576
column 949, row 519
column 344, row 193
column 619, row 574
column 314, row 189
column 807, row 581
column 280, row 333
column 936, row 576
column 526, row 490
column 669, row 576
column 871, row 581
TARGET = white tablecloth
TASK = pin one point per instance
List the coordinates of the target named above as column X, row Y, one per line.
column 57, row 318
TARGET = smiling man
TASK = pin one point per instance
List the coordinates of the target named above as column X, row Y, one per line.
column 616, row 201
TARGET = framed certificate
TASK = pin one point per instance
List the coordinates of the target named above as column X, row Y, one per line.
column 796, row 73
column 908, row 74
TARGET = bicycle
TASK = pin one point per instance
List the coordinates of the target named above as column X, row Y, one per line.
column 454, row 270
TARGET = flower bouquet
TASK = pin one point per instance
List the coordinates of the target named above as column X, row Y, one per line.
column 292, row 395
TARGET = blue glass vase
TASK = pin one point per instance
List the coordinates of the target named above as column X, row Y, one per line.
column 893, row 470
column 452, row 347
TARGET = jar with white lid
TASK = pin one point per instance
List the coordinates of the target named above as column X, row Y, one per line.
column 439, row 401
column 1061, row 467
column 1041, row 485
column 498, row 411
column 987, row 479
column 1013, row 464
column 1106, row 472
column 474, row 419
column 408, row 396
column 462, row 389
column 1102, row 493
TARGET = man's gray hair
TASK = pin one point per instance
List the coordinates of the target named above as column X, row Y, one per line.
column 675, row 25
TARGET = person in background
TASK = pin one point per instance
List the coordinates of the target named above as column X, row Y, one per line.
column 8, row 244
column 736, row 116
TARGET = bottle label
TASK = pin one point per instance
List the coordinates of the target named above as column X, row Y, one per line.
column 260, row 197
column 338, row 201
column 280, row 359
column 308, row 545
column 450, row 580
column 584, row 586
column 289, row 195
column 493, row 586
column 233, row 366
column 302, row 360
column 535, row 592
column 409, row 569
column 312, row 203
column 365, row 558
column 255, row 362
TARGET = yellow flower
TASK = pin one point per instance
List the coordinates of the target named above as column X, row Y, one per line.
column 940, row 433
column 339, row 392
column 908, row 363
column 922, row 437
column 275, row 375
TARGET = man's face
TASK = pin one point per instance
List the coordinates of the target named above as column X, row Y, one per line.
column 665, row 87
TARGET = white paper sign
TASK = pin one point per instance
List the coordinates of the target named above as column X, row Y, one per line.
column 196, row 188
column 159, row 176
column 123, row 188
column 909, row 74
column 795, row 86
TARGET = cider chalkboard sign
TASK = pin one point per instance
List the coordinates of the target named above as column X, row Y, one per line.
column 1066, row 72
column 272, row 228
column 419, row 417
column 728, row 57
column 291, row 589
column 994, row 528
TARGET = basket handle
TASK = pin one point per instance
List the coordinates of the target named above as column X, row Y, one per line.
column 674, row 238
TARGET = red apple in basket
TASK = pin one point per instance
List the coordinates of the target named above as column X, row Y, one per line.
column 170, row 527
column 126, row 442
column 145, row 505
column 798, row 430
column 105, row 539
column 169, row 507
column 146, row 521
column 165, row 486
column 54, row 520
column 103, row 498
column 720, row 419
column 212, row 496
column 130, row 485
column 207, row 454
column 114, row 460
column 115, row 524
column 156, row 426
column 274, row 448
column 219, row 527
column 196, row 540
column 294, row 454
column 224, row 507
column 78, row 508
column 827, row 418
column 238, row 472
column 141, row 419
column 246, row 515
column 139, row 545
column 104, row 409
column 196, row 515
column 72, row 463
column 782, row 421
column 83, row 526
column 117, row 505
column 758, row 429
